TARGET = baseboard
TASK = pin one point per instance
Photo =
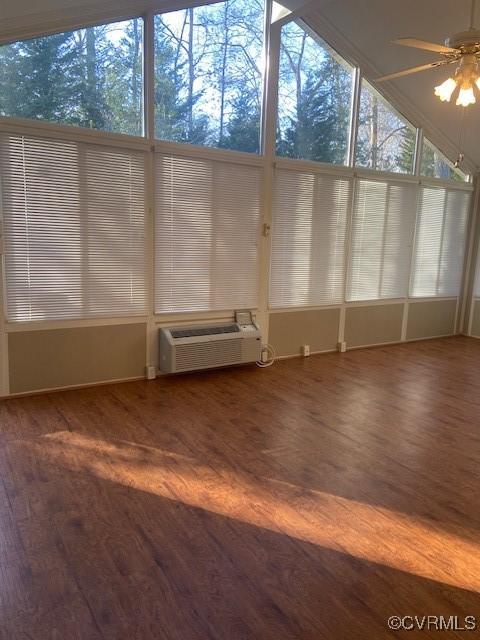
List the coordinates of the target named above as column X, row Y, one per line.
column 312, row 353
column 375, row 345
column 86, row 385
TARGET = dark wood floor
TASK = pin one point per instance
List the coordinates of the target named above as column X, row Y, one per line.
column 310, row 500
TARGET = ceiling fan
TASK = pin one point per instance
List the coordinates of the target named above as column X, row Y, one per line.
column 462, row 49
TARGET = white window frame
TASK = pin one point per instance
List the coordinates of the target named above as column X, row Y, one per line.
column 149, row 144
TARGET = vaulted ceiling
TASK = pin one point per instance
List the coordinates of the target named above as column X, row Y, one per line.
column 361, row 30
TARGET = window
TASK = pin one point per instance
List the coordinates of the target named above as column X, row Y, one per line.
column 440, row 242
column 315, row 87
column 435, row 165
column 89, row 78
column 385, row 140
column 74, row 229
column 206, row 237
column 208, row 75
column 308, row 239
column 382, row 233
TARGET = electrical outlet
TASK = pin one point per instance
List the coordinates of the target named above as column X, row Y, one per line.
column 342, row 347
column 151, row 373
column 264, row 356
column 305, row 350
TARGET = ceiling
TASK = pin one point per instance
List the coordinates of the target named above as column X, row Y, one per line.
column 361, row 30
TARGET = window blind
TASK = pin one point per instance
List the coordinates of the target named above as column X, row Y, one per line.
column 381, row 241
column 440, row 242
column 308, row 238
column 73, row 218
column 207, row 223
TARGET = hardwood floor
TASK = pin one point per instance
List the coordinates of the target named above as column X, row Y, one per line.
column 308, row 501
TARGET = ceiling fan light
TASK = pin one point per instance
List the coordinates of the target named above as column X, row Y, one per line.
column 444, row 91
column 466, row 97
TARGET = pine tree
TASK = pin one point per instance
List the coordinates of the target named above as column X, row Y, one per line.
column 242, row 132
column 320, row 129
column 406, row 155
column 84, row 78
column 35, row 78
column 90, row 66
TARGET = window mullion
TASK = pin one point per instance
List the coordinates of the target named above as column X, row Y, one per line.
column 270, row 84
column 149, row 76
column 354, row 115
column 417, row 164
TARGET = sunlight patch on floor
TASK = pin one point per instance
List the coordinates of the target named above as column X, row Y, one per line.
column 397, row 540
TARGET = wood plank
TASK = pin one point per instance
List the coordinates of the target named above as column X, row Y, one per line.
column 310, row 500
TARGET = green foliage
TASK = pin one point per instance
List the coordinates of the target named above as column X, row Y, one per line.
column 243, row 129
column 89, row 78
column 207, row 78
column 320, row 129
column 208, row 87
column 36, row 79
column 123, row 78
column 208, row 81
column 314, row 100
column 406, row 156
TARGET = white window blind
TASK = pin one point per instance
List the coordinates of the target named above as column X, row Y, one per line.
column 73, row 217
column 440, row 242
column 381, row 242
column 308, row 239
column 206, row 237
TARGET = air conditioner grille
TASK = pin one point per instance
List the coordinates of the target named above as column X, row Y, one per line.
column 208, row 354
column 204, row 331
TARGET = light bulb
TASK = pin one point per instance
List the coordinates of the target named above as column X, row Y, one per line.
column 445, row 90
column 466, row 97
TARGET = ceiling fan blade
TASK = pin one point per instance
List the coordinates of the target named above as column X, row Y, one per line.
column 407, row 72
column 423, row 44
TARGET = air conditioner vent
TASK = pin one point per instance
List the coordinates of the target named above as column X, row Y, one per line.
column 208, row 354
column 204, row 331
column 208, row 346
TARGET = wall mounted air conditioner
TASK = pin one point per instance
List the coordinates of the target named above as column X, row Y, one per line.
column 208, row 346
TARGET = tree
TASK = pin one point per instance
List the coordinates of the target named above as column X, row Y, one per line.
column 243, row 128
column 237, row 30
column 175, row 97
column 407, row 151
column 385, row 142
column 89, row 77
column 124, row 81
column 314, row 116
column 89, row 71
column 434, row 165
column 35, row 80
column 208, row 76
